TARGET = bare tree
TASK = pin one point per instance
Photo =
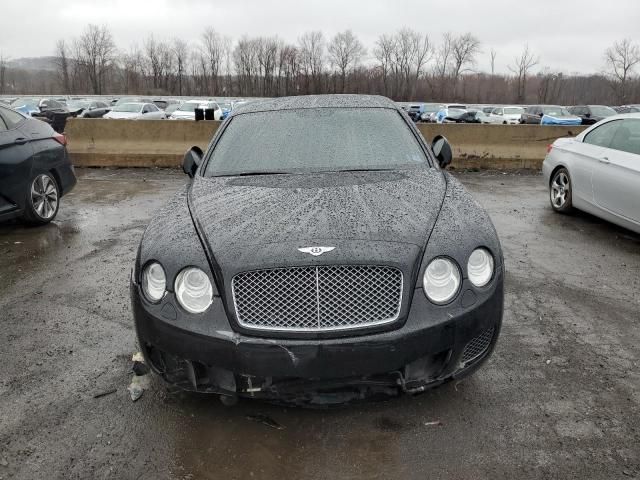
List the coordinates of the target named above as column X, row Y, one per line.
column 442, row 67
column 523, row 64
column 345, row 52
column 621, row 58
column 95, row 52
column 180, row 50
column 311, row 48
column 464, row 49
column 3, row 72
column 384, row 53
column 214, row 48
column 493, row 54
column 62, row 64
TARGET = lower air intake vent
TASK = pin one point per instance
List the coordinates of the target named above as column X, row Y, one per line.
column 476, row 347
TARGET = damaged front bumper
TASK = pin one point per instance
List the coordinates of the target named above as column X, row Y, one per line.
column 428, row 347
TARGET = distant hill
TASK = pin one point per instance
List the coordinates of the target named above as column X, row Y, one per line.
column 33, row 63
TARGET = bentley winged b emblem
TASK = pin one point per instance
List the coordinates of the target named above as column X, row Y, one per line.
column 315, row 251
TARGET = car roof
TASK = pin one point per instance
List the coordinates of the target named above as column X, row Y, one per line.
column 624, row 115
column 316, row 101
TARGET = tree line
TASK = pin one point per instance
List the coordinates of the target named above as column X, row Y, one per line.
column 403, row 65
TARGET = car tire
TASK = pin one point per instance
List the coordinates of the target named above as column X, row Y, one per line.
column 560, row 191
column 43, row 199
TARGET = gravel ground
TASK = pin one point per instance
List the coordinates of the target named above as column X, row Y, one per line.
column 559, row 398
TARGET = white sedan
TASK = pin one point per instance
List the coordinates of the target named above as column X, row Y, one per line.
column 187, row 111
column 136, row 111
column 598, row 171
column 504, row 115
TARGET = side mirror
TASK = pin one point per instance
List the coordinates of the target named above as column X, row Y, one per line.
column 442, row 150
column 541, row 114
column 588, row 115
column 191, row 161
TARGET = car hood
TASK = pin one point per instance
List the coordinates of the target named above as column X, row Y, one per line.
column 237, row 215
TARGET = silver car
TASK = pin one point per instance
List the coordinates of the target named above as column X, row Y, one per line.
column 598, row 171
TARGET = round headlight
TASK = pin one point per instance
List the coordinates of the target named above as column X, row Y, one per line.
column 193, row 290
column 154, row 282
column 441, row 280
column 480, row 267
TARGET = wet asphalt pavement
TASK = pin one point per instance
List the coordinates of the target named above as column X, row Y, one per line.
column 560, row 398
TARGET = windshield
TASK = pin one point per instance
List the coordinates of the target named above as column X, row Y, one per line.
column 30, row 102
column 600, row 111
column 513, row 111
column 455, row 112
column 188, row 107
column 128, row 107
column 126, row 100
column 556, row 111
column 315, row 140
column 78, row 104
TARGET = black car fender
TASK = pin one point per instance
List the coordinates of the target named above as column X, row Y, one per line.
column 462, row 226
column 171, row 239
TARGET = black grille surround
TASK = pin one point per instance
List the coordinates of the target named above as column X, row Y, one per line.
column 324, row 298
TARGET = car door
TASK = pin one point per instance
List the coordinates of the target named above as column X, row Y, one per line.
column 496, row 115
column 616, row 176
column 586, row 155
column 16, row 155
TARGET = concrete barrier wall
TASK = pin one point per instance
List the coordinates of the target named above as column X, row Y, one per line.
column 134, row 143
column 162, row 143
column 502, row 147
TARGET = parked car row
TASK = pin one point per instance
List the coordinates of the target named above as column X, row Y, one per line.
column 136, row 108
column 513, row 114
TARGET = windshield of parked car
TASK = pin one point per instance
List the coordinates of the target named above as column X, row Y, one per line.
column 455, row 112
column 556, row 111
column 29, row 102
column 601, row 111
column 315, row 140
column 188, row 107
column 126, row 100
column 128, row 107
column 73, row 104
column 513, row 111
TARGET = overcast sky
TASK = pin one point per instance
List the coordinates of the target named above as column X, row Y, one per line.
column 568, row 35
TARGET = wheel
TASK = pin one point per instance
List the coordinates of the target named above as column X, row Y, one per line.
column 560, row 191
column 43, row 199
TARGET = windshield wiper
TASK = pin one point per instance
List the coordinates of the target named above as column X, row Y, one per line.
column 361, row 170
column 252, row 173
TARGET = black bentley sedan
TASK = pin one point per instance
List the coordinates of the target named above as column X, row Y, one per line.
column 319, row 254
column 35, row 170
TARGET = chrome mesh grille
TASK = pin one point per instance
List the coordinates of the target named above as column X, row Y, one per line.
column 320, row 298
column 477, row 346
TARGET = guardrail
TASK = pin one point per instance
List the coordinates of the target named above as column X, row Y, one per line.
column 162, row 143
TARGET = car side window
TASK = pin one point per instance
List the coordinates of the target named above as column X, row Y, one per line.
column 12, row 119
column 146, row 109
column 603, row 135
column 627, row 136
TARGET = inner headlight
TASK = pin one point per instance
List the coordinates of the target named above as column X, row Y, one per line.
column 193, row 290
column 480, row 267
column 154, row 282
column 441, row 280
